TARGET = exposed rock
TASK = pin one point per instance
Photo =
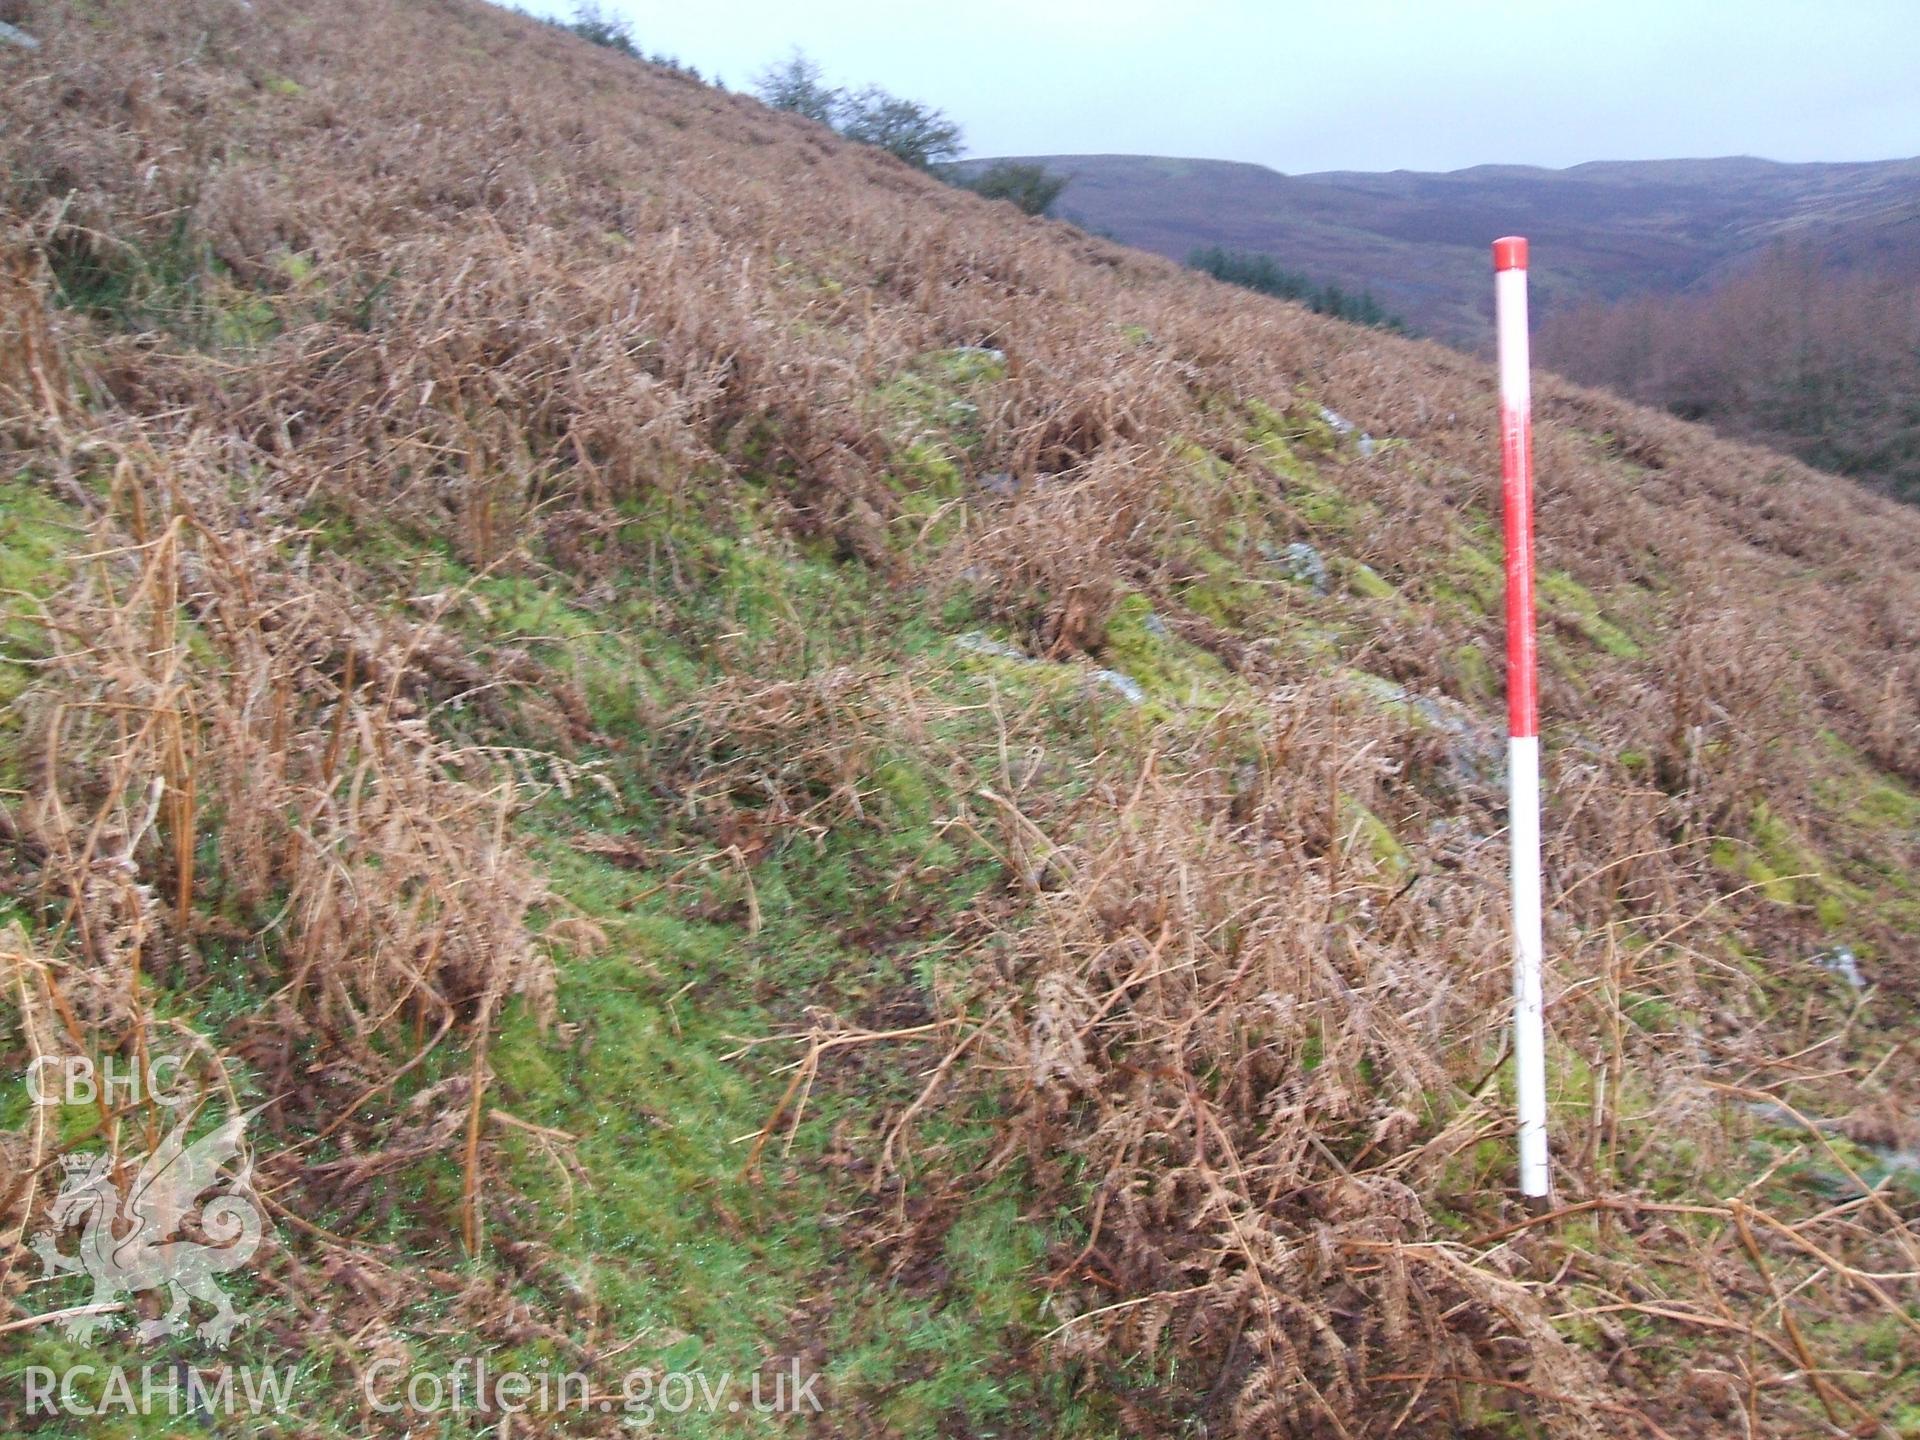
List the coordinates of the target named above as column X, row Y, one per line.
column 1307, row 565
column 1125, row 686
column 1841, row 961
column 1343, row 426
column 975, row 642
column 1475, row 752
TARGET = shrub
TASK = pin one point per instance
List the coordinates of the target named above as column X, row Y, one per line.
column 918, row 134
column 796, row 85
column 1032, row 187
column 592, row 23
column 595, row 26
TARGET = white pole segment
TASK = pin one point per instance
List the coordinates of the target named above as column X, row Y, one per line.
column 1529, row 1022
column 1523, row 715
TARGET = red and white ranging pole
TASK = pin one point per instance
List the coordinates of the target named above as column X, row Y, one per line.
column 1523, row 713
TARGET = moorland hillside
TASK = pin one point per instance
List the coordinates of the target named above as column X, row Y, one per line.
column 755, row 756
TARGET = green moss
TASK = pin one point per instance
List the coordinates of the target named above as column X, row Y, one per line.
column 929, row 403
column 1787, row 871
column 1364, row 580
column 935, row 392
column 1312, row 429
column 1218, row 586
column 1652, row 1013
column 968, row 365
column 1278, row 433
column 1163, row 665
column 1265, row 423
column 1474, row 673
column 37, row 534
column 297, row 269
column 1740, row 861
column 658, row 1108
column 1322, row 508
column 1475, row 580
column 1572, row 603
column 241, row 320
column 933, row 470
column 928, row 480
column 1374, row 836
column 1885, row 803
column 1789, row 865
column 1208, row 470
column 1287, row 443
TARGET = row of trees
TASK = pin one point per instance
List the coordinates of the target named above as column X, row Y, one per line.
column 1811, row 358
column 597, row 26
column 1263, row 273
column 917, row 133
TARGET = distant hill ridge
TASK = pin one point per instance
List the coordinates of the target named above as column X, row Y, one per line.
column 1602, row 230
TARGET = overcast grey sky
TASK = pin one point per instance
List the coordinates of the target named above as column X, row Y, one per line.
column 1355, row 84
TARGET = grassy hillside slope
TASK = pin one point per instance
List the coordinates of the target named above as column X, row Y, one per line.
column 762, row 761
column 1602, row 231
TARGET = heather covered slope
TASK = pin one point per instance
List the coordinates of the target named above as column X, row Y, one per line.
column 761, row 757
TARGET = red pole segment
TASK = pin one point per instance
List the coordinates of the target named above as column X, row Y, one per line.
column 1516, row 472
